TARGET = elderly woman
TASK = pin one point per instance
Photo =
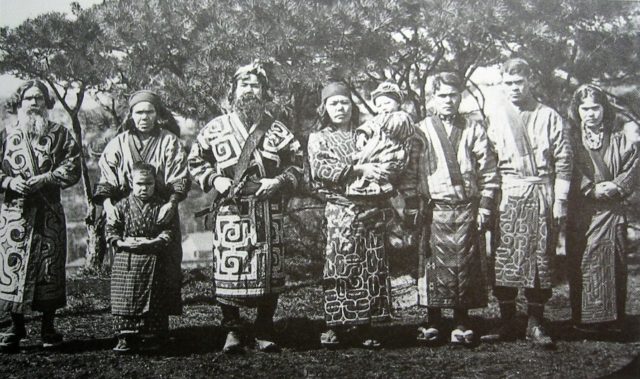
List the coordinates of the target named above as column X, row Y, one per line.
column 148, row 136
column 356, row 281
column 606, row 168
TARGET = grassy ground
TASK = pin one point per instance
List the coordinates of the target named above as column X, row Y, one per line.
column 196, row 341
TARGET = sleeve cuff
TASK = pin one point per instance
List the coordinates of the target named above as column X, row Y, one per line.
column 486, row 202
column 5, row 182
column 207, row 185
column 111, row 240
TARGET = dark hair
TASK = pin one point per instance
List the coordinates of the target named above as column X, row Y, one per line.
column 266, row 93
column 165, row 120
column 15, row 101
column 447, row 78
column 516, row 66
column 324, row 120
column 597, row 94
column 144, row 167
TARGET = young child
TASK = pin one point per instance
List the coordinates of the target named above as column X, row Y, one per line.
column 137, row 272
column 383, row 139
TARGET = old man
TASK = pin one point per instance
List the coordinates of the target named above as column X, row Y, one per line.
column 248, row 160
column 39, row 158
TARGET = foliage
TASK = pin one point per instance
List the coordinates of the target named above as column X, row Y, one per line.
column 66, row 52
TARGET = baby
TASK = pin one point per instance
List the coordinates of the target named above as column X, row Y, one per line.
column 383, row 139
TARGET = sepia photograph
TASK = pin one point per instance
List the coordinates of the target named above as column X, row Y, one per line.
column 320, row 189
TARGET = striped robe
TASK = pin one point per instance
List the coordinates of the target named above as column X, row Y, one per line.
column 452, row 265
column 137, row 277
column 33, row 244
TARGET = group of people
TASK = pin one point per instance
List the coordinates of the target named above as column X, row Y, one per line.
column 523, row 174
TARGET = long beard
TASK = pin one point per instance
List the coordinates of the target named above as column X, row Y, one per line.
column 33, row 121
column 250, row 108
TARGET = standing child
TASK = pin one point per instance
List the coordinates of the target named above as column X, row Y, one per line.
column 383, row 139
column 137, row 279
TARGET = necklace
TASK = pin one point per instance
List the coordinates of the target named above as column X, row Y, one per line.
column 592, row 139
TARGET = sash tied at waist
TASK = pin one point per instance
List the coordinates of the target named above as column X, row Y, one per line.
column 525, row 180
column 522, row 186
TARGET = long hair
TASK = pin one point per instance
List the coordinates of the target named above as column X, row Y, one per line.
column 324, row 120
column 15, row 101
column 165, row 120
column 599, row 97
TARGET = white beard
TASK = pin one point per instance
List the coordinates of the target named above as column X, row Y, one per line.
column 33, row 121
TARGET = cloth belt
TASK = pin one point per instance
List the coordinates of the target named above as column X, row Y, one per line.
column 525, row 180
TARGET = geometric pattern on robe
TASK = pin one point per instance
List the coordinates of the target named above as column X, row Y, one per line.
column 164, row 151
column 248, row 249
column 33, row 245
column 139, row 279
column 525, row 235
column 596, row 241
column 452, row 264
column 356, row 283
column 453, row 267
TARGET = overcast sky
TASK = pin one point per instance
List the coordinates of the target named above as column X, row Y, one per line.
column 14, row 12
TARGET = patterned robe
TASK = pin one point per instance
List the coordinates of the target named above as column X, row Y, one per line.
column 248, row 249
column 452, row 265
column 596, row 229
column 535, row 163
column 138, row 279
column 356, row 273
column 33, row 244
column 164, row 152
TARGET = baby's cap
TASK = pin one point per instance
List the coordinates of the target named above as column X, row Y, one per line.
column 388, row 89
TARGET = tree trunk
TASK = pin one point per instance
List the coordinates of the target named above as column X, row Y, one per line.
column 96, row 245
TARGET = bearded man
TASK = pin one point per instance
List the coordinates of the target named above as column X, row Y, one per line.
column 39, row 158
column 248, row 160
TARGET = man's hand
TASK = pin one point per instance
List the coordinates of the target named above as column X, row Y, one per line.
column 559, row 212
column 373, row 171
column 37, row 182
column 484, row 215
column 19, row 185
column 222, row 184
column 166, row 213
column 267, row 188
column 605, row 190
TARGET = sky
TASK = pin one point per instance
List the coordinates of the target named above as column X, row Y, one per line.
column 14, row 12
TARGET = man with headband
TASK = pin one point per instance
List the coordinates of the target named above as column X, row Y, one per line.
column 248, row 161
column 38, row 159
